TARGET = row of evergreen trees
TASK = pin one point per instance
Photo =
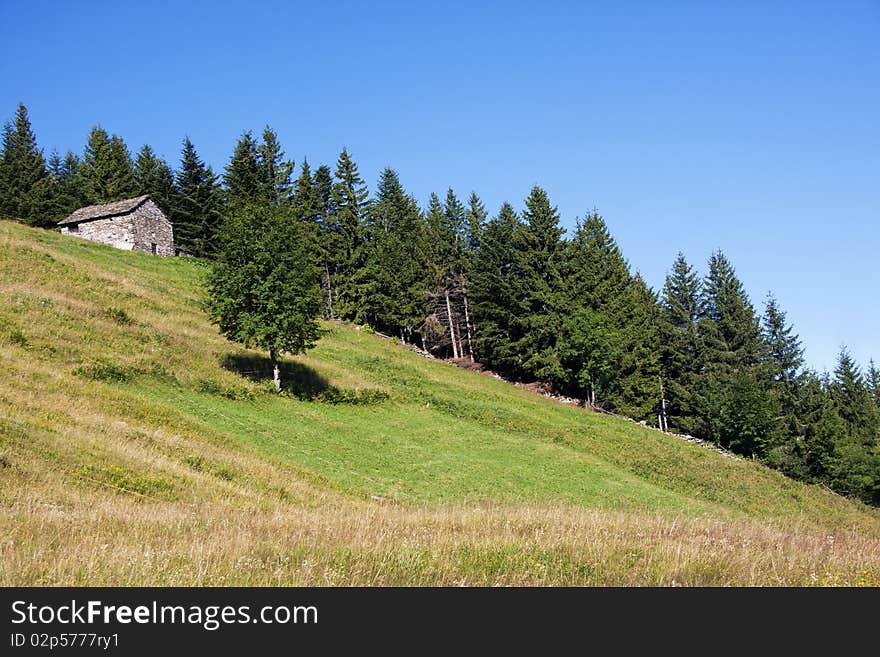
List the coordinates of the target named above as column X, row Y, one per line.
column 510, row 291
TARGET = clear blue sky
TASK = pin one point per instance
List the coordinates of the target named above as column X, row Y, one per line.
column 750, row 127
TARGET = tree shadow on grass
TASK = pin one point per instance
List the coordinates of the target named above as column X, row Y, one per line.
column 297, row 379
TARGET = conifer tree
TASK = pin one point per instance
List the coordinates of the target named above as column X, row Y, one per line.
column 731, row 331
column 275, row 170
column 475, row 221
column 350, row 201
column 107, row 170
column 874, row 383
column 196, row 204
column 244, row 176
column 306, row 211
column 785, row 357
column 65, row 196
column 25, row 187
column 597, row 289
column 853, row 399
column 448, row 324
column 680, row 354
column 638, row 392
column 596, row 272
column 392, row 282
column 737, row 407
column 153, row 176
column 538, row 282
column 322, row 186
column 493, row 291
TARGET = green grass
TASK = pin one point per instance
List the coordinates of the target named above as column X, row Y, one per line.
column 117, row 387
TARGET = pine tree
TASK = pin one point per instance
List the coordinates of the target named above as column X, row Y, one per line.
column 493, row 291
column 25, row 187
column 153, row 176
column 244, row 175
column 680, row 353
column 196, row 204
column 107, row 170
column 538, row 282
column 275, row 170
column 349, row 198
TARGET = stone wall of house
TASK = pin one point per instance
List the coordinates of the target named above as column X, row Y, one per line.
column 115, row 231
column 151, row 226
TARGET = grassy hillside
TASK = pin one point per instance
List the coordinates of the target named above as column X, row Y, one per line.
column 137, row 446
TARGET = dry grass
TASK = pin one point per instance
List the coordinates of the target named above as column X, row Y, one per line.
column 126, row 542
column 186, row 473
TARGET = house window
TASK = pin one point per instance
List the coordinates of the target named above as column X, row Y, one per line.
column 153, row 248
column 73, row 229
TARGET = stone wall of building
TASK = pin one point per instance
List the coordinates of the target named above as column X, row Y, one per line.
column 115, row 231
column 152, row 227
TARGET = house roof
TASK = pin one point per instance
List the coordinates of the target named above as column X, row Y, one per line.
column 114, row 209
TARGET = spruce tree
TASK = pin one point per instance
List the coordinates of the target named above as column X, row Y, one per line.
column 350, row 202
column 392, row 282
column 153, row 176
column 25, row 187
column 680, row 353
column 853, row 399
column 538, row 282
column 597, row 286
column 493, row 291
column 65, row 196
column 637, row 393
column 197, row 206
column 244, row 176
column 785, row 357
column 596, row 272
column 737, row 407
column 874, row 383
column 305, row 204
column 275, row 170
column 475, row 221
column 107, row 170
column 323, row 195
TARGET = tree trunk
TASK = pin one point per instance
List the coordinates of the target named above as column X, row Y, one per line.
column 451, row 327
column 329, row 292
column 664, row 420
column 467, row 325
column 276, row 369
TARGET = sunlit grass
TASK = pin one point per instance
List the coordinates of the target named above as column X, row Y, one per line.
column 137, row 446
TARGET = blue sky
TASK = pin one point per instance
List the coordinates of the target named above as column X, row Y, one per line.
column 692, row 126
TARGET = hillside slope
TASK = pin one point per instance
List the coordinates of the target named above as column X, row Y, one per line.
column 138, row 446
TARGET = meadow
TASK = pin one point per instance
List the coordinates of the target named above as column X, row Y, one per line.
column 139, row 447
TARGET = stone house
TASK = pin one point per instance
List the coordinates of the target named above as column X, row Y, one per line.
column 135, row 224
